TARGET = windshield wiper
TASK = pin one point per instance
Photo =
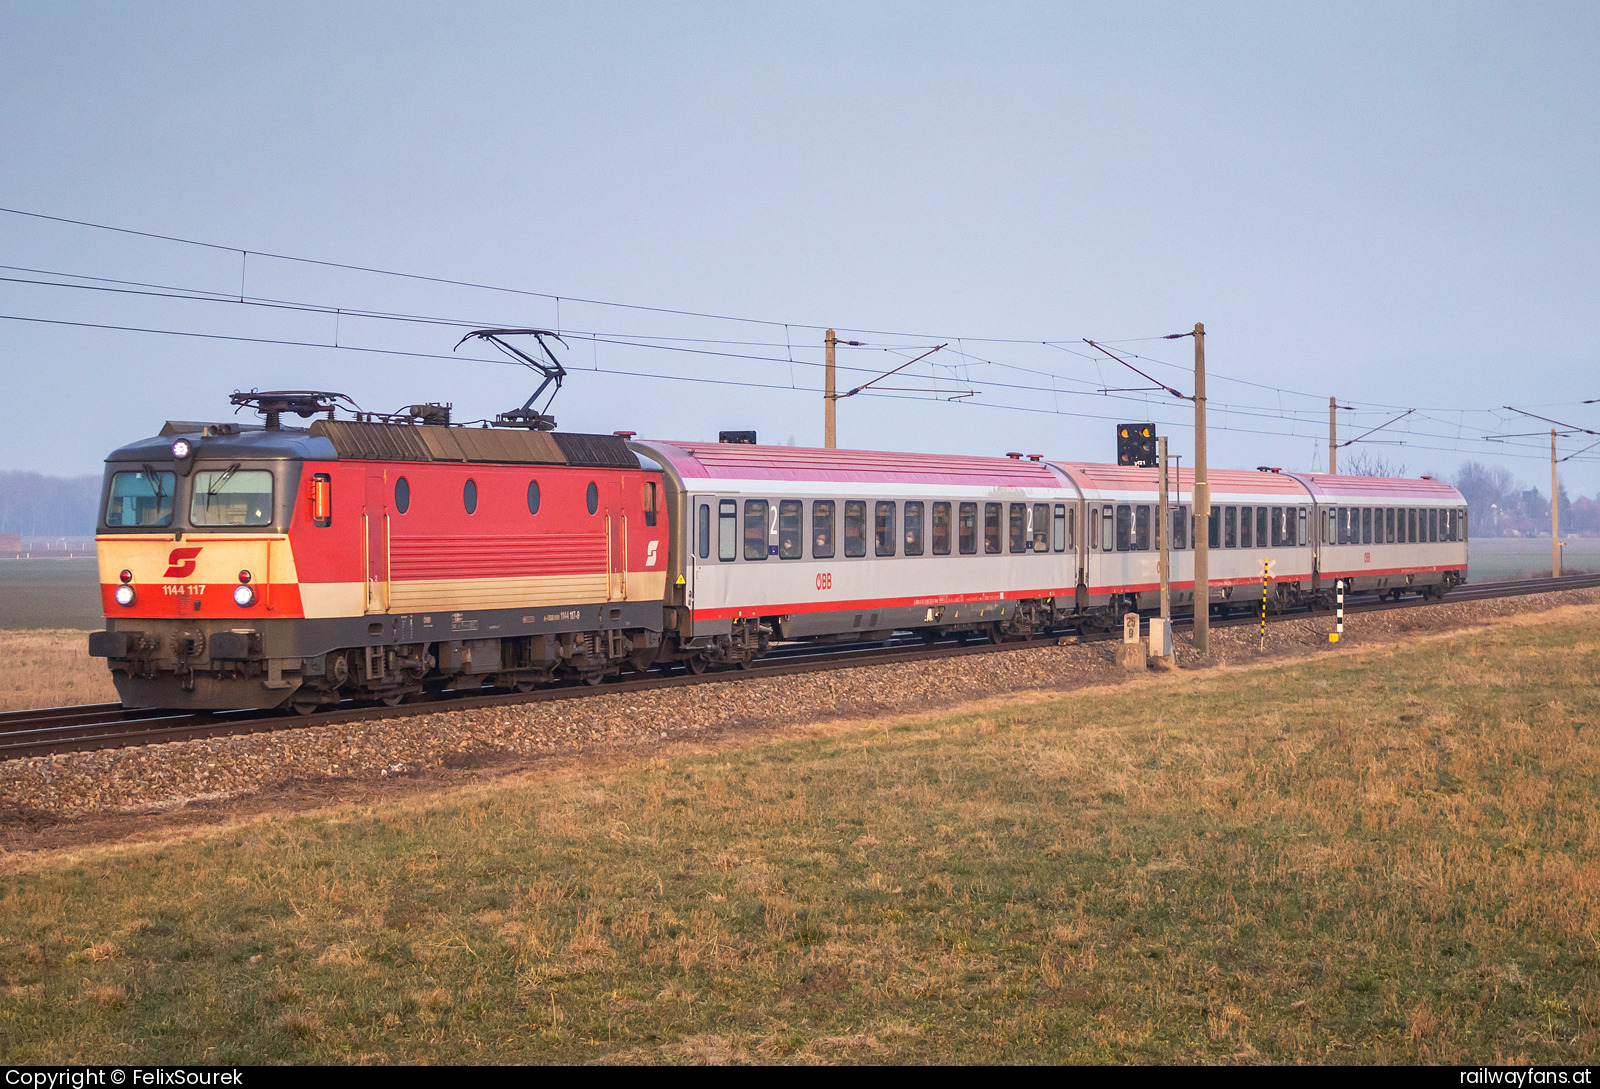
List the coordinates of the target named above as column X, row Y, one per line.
column 221, row 480
column 155, row 480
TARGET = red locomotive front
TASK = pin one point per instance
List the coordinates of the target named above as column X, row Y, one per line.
column 260, row 566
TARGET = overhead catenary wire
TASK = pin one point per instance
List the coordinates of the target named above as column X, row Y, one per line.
column 1293, row 417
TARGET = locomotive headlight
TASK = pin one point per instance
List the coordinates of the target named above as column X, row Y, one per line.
column 244, row 596
column 125, row 595
column 181, row 449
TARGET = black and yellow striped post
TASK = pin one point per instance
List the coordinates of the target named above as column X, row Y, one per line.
column 1338, row 616
column 1266, row 567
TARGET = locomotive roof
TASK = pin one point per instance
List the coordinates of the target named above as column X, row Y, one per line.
column 741, row 461
column 330, row 440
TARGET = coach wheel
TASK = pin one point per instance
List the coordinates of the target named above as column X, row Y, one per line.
column 393, row 700
column 525, row 686
column 696, row 664
column 306, row 704
column 592, row 679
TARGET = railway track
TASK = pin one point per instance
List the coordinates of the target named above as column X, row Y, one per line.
column 43, row 731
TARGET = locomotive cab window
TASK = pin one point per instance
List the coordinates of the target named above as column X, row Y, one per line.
column 855, row 527
column 790, row 532
column 969, row 529
column 941, row 529
column 755, row 529
column 914, row 513
column 140, row 499
column 322, row 500
column 822, row 529
column 649, row 499
column 727, row 530
column 231, row 497
column 883, row 528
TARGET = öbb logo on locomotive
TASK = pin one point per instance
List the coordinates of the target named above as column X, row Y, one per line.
column 368, row 569
column 181, row 562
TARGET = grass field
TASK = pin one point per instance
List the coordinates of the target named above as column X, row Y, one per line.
column 50, row 594
column 51, row 669
column 1388, row 856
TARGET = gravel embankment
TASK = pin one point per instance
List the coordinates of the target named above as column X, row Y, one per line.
column 163, row 777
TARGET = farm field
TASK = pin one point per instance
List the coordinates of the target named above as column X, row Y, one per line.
column 1384, row 856
column 50, row 593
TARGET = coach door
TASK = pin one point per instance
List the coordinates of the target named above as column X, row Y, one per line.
column 376, row 541
column 702, row 536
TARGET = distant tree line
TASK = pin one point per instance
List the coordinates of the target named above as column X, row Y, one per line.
column 35, row 505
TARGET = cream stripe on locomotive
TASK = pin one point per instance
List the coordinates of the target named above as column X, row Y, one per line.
column 331, row 599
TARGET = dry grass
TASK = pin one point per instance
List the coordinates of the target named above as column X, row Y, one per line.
column 1383, row 857
column 51, row 668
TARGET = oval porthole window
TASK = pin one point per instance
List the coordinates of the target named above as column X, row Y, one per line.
column 533, row 497
column 469, row 496
column 593, row 497
column 402, row 495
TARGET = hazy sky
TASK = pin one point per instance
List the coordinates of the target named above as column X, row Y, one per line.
column 1393, row 204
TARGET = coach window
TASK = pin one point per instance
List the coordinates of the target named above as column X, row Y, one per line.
column 1433, row 526
column 533, row 498
column 1041, row 527
column 1304, row 537
column 855, row 527
column 1269, row 526
column 1141, row 528
column 822, row 529
column 914, row 512
column 1124, row 527
column 1094, row 529
column 791, row 540
column 591, row 497
column 1463, row 523
column 703, row 530
column 991, row 528
column 727, row 530
column 1366, row 526
column 1017, row 525
column 402, row 495
column 469, row 496
column 969, row 529
column 755, row 529
column 1230, row 527
column 941, row 529
column 883, row 528
column 1411, row 524
column 1180, row 523
column 1060, row 527
column 649, row 502
column 1108, row 533
column 1246, row 526
column 1214, row 528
